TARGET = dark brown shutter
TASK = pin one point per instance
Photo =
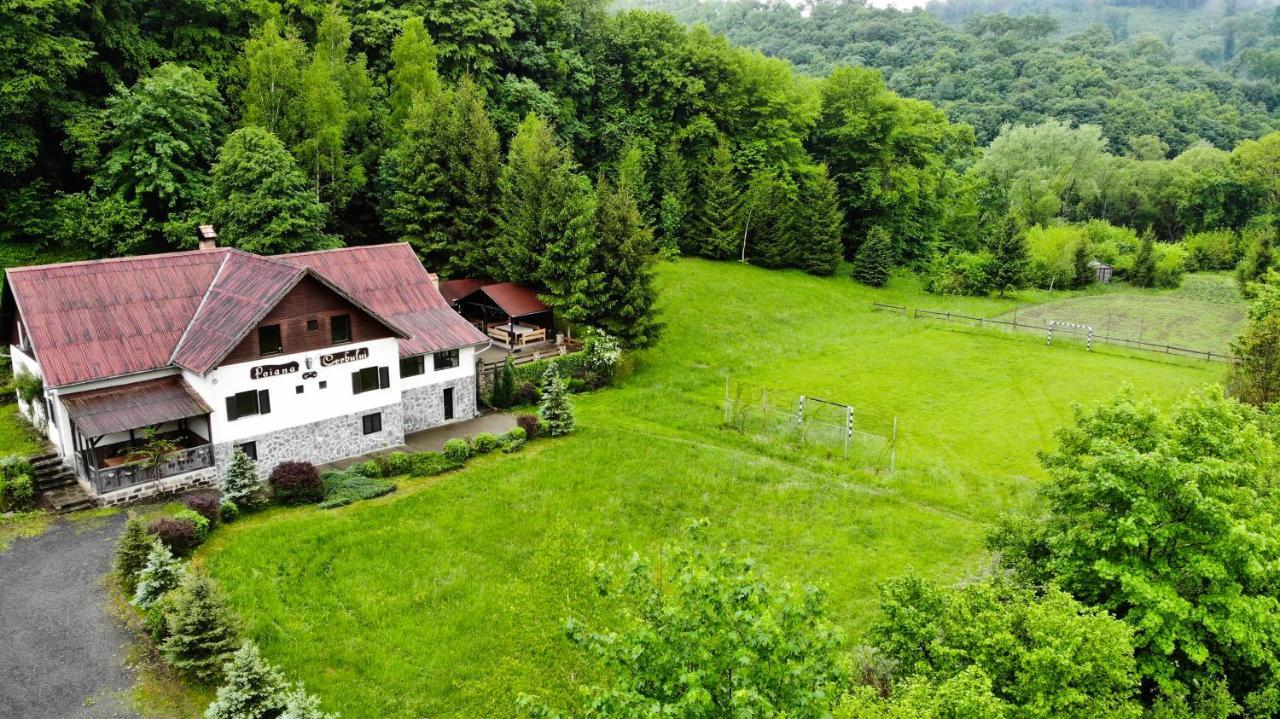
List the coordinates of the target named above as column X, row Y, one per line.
column 231, row 408
column 384, row 377
column 264, row 402
column 355, row 382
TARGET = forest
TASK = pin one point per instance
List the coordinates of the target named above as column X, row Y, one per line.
column 571, row 146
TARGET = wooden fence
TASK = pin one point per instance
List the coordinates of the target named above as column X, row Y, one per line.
column 1014, row 324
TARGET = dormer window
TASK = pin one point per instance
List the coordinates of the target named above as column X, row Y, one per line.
column 269, row 342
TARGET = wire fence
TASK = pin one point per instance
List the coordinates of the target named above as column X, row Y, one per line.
column 1057, row 327
column 797, row 420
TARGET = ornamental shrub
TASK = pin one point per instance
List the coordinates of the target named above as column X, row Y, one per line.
column 504, row 385
column 296, row 483
column 197, row 520
column 161, row 573
column 298, row 704
column 131, row 554
column 429, row 464
column 241, row 483
column 205, row 504
column 457, row 450
column 556, row 409
column 395, row 463
column 15, row 465
column 202, row 631
column 253, row 688
column 228, row 511
column 22, row 493
column 516, row 434
column 369, row 468
column 484, row 443
column 512, row 440
column 178, row 535
column 527, row 394
column 529, row 423
column 155, row 618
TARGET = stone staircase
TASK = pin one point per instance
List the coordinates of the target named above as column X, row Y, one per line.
column 57, row 484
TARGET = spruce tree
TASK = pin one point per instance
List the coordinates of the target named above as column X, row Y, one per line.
column 1080, row 259
column 874, row 259
column 298, row 704
column 241, row 483
column 624, row 261
column 546, row 217
column 261, row 200
column 712, row 225
column 473, row 165
column 1144, row 264
column 555, row 409
column 822, row 225
column 131, row 554
column 252, row 688
column 504, row 385
column 162, row 573
column 768, row 215
column 414, row 208
column 1009, row 249
column 202, row 630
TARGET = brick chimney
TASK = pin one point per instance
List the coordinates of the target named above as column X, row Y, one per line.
column 208, row 238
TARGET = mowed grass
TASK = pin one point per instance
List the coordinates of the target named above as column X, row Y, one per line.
column 1205, row 313
column 447, row 598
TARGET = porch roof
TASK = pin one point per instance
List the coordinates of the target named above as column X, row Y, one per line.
column 514, row 299
column 131, row 406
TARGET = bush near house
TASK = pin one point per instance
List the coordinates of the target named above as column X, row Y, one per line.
column 344, row 487
column 529, row 423
column 457, row 450
column 179, row 535
column 17, row 489
column 296, row 483
column 394, row 463
column 206, row 504
column 484, row 443
column 429, row 464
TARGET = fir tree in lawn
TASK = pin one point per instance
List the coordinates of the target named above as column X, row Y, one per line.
column 623, row 306
column 202, row 630
column 298, row 704
column 1144, row 263
column 874, row 259
column 1009, row 249
column 251, row 689
column 131, row 554
column 504, row 385
column 555, row 409
column 241, row 483
column 162, row 573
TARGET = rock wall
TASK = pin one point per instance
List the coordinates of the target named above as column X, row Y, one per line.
column 320, row 442
column 424, row 406
column 177, row 484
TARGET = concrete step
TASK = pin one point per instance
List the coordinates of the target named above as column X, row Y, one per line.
column 68, row 498
column 62, row 479
column 38, row 458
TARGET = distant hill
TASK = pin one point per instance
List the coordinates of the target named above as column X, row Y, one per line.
column 1181, row 71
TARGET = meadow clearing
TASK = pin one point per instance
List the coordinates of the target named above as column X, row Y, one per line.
column 448, row 598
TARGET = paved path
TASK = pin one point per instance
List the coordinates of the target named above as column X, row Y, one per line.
column 61, row 654
column 432, row 440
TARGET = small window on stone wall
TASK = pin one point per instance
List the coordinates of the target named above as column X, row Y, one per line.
column 372, row 422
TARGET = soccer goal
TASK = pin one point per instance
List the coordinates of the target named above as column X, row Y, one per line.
column 1071, row 328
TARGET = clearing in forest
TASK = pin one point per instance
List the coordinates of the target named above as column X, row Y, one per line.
column 448, row 598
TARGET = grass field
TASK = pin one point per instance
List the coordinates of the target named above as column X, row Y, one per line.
column 447, row 598
column 16, row 435
column 1205, row 313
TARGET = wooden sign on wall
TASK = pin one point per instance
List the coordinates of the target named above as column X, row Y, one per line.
column 272, row 370
column 351, row 355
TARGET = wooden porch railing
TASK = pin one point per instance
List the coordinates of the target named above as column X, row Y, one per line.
column 109, row 479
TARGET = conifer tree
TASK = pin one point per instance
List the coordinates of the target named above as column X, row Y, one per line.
column 1009, row 250
column 673, row 180
column 547, row 213
column 298, row 704
column 261, row 199
column 874, row 259
column 162, row 573
column 555, row 409
column 769, row 220
column 821, row 226
column 131, row 554
column 202, row 630
column 1144, row 263
column 504, row 385
column 252, row 688
column 712, row 225
column 624, row 260
column 413, row 71
column 241, row 483
column 1080, row 260
column 413, row 206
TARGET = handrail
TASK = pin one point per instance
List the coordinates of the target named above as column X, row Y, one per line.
column 109, row 479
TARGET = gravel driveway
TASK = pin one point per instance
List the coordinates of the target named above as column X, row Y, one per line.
column 62, row 654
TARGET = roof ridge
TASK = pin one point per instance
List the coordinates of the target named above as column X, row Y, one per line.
column 129, row 258
column 204, row 298
column 344, row 249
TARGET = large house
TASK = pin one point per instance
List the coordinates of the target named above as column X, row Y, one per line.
column 315, row 356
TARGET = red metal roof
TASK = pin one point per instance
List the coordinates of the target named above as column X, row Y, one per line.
column 391, row 281
column 513, row 298
column 107, row 318
column 130, row 406
column 454, row 290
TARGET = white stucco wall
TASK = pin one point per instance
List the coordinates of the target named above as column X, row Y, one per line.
column 466, row 367
column 288, row 408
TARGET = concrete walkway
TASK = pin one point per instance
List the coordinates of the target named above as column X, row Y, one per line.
column 432, row 440
column 62, row 654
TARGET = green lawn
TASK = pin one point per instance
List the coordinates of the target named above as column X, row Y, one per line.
column 16, row 435
column 447, row 598
column 1205, row 313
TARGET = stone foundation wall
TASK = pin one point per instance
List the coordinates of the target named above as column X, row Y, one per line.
column 424, row 406
column 177, row 484
column 320, row 442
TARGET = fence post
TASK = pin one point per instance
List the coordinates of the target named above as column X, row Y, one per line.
column 848, row 429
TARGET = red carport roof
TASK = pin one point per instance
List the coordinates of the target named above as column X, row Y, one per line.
column 133, row 406
column 513, row 298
